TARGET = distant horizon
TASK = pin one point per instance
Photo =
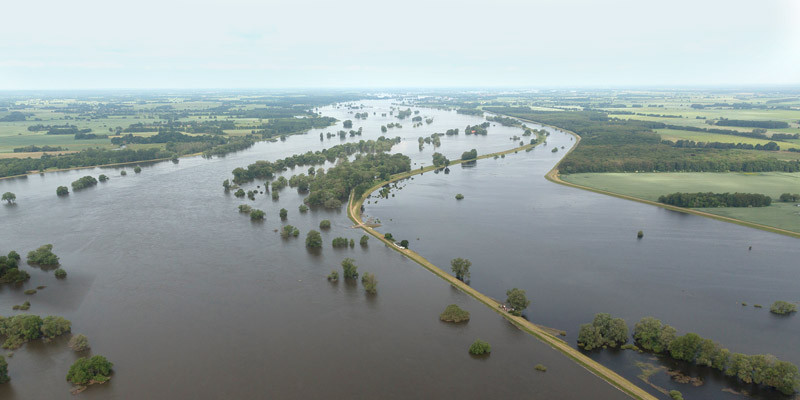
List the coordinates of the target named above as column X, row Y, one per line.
column 158, row 44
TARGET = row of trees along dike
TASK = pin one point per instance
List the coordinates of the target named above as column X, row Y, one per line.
column 707, row 200
column 651, row 335
column 614, row 145
column 266, row 169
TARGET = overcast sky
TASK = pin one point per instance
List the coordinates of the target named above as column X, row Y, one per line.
column 89, row 44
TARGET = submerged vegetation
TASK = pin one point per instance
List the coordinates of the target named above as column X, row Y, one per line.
column 781, row 307
column 479, row 347
column 454, row 313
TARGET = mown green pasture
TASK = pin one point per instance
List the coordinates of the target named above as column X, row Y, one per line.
column 650, row 186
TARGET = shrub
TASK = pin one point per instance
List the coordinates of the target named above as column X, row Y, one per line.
column 303, row 208
column 781, row 307
column 333, row 276
column 364, row 240
column 479, row 347
column 79, row 342
column 454, row 313
column 30, row 291
column 102, row 178
column 675, row 395
column 283, row 214
column 459, row 196
column 313, row 239
column 239, row 193
column 640, row 234
column 89, row 370
column 325, row 224
column 540, row 367
column 62, row 191
column 244, row 208
column 137, row 169
column 123, row 172
column 60, row 273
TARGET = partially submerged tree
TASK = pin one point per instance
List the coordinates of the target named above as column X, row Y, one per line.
column 460, row 267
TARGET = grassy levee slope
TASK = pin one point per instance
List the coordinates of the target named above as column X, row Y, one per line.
column 354, row 212
column 727, row 214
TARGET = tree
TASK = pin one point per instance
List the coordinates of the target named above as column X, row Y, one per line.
column 388, row 236
column 404, row 243
column 53, row 326
column 3, row 370
column 781, row 307
column 364, row 240
column 517, row 300
column 347, row 124
column 9, row 197
column 289, row 230
column 283, row 213
column 303, row 208
column 313, row 239
column 60, row 273
column 603, row 331
column 257, row 215
column 370, row 283
column 651, row 335
column 349, row 268
column 479, row 347
column 89, row 370
column 102, row 178
column 460, row 267
column 469, row 155
column 685, row 347
column 43, row 256
column 325, row 224
column 62, row 191
column 340, row 242
column 79, row 342
column 137, row 169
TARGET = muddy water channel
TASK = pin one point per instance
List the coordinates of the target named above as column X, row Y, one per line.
column 190, row 299
column 576, row 253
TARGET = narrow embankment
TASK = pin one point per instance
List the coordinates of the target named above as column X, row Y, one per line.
column 354, row 212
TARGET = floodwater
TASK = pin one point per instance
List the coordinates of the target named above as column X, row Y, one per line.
column 190, row 299
column 576, row 253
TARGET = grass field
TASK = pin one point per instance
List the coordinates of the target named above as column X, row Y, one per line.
column 650, row 186
column 674, row 135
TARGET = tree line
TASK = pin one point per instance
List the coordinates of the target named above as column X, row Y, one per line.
column 708, row 200
column 613, row 145
column 263, row 169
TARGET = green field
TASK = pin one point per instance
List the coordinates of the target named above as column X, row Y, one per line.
column 674, row 135
column 650, row 186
